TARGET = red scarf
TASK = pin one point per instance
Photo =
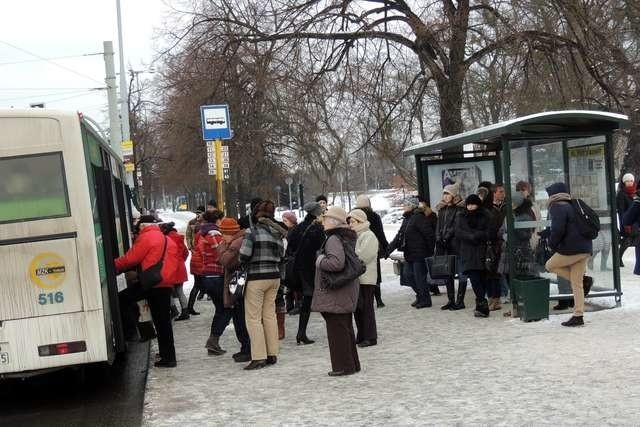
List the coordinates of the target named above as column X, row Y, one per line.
column 631, row 191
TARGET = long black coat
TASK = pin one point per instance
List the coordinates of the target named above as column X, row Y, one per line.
column 446, row 240
column 420, row 236
column 304, row 250
column 473, row 234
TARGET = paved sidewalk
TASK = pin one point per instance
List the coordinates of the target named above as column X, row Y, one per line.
column 429, row 368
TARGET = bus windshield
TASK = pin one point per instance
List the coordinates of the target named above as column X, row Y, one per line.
column 32, row 187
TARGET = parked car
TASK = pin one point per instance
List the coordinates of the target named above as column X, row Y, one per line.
column 394, row 215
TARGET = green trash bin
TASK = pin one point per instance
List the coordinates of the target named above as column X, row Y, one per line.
column 532, row 297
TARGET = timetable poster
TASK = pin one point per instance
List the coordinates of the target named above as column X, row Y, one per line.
column 587, row 177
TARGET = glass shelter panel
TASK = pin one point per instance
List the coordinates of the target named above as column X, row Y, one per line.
column 581, row 164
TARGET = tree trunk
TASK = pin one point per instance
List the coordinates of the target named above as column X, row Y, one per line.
column 631, row 161
column 450, row 94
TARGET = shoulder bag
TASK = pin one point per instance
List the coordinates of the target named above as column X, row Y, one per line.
column 441, row 266
column 152, row 276
column 238, row 283
column 354, row 267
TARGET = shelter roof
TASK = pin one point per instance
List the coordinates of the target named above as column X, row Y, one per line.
column 550, row 123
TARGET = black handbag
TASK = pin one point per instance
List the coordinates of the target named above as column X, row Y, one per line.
column 442, row 266
column 238, row 283
column 543, row 252
column 152, row 276
column 491, row 258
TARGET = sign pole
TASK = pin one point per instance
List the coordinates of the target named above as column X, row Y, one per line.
column 219, row 174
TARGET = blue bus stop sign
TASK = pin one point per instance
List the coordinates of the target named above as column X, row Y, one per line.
column 215, row 122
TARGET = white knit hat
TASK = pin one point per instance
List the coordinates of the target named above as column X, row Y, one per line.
column 628, row 177
column 363, row 201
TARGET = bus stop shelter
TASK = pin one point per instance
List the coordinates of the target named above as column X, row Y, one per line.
column 574, row 147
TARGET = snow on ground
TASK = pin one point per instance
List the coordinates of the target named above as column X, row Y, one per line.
column 430, row 367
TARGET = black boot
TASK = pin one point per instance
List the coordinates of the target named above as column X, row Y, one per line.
column 174, row 311
column 183, row 316
column 434, row 289
column 301, row 337
column 192, row 300
column 378, row 295
column 482, row 308
column 462, row 289
column 562, row 304
column 451, row 296
column 574, row 321
column 587, row 283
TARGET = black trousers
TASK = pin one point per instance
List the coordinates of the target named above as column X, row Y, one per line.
column 159, row 300
column 240, row 326
column 342, row 342
column 365, row 315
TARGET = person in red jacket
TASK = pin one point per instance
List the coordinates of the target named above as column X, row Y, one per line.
column 180, row 277
column 147, row 250
column 213, row 278
column 195, row 267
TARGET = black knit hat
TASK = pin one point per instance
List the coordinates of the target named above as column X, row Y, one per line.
column 473, row 199
column 147, row 219
column 213, row 203
column 322, row 197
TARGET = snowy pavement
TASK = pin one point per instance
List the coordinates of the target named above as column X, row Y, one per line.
column 429, row 368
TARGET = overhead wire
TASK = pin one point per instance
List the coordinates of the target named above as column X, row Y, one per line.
column 50, row 61
column 82, row 91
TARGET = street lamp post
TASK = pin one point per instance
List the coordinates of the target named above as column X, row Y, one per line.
column 278, row 188
column 289, row 181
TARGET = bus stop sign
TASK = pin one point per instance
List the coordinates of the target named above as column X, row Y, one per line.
column 215, row 122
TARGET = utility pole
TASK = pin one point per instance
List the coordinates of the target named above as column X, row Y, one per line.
column 124, row 89
column 289, row 181
column 115, row 137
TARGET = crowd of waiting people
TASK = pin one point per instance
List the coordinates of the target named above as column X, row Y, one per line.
column 307, row 266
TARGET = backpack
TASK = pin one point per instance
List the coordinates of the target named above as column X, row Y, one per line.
column 586, row 219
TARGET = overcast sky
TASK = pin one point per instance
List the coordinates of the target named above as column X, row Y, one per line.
column 59, row 28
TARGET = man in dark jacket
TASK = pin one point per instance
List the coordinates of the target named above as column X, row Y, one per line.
column 417, row 240
column 303, row 242
column 363, row 203
column 572, row 249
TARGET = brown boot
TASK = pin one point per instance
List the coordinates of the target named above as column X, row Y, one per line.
column 280, row 317
column 494, row 304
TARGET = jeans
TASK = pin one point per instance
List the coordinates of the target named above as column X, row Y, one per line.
column 214, row 285
column 415, row 273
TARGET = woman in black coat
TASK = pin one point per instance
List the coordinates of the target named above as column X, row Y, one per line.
column 303, row 242
column 449, row 208
column 416, row 239
column 473, row 233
